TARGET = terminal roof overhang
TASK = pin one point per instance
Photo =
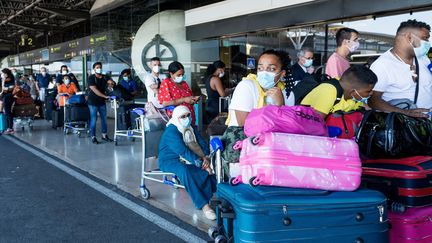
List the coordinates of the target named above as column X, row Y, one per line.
column 234, row 17
column 38, row 17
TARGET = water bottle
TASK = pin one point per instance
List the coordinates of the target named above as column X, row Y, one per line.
column 334, row 131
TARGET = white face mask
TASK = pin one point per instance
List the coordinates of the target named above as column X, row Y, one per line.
column 156, row 69
column 178, row 79
column 221, row 74
column 64, row 72
column 43, row 73
column 98, row 70
column 3, row 76
column 66, row 81
column 353, row 46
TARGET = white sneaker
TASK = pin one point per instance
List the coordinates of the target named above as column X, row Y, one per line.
column 209, row 214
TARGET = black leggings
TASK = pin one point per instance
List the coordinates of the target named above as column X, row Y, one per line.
column 8, row 101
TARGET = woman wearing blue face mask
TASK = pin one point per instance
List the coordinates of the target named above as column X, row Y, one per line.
column 184, row 152
column 175, row 91
column 267, row 87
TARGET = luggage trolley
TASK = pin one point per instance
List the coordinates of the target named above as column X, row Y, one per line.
column 76, row 127
column 24, row 118
column 115, row 104
column 156, row 175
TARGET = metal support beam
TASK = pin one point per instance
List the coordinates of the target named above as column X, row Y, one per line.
column 35, row 26
column 75, row 14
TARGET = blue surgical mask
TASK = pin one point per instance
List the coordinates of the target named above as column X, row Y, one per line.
column 186, row 122
column 362, row 100
column 308, row 63
column 266, row 79
column 126, row 79
column 98, row 70
column 179, row 79
column 423, row 49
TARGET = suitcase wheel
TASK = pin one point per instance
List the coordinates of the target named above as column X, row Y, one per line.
column 235, row 180
column 256, row 140
column 398, row 207
column 213, row 232
column 254, row 181
column 221, row 239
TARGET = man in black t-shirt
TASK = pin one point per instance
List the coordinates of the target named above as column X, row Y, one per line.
column 97, row 84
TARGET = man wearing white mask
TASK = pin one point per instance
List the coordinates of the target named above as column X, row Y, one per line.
column 184, row 152
column 404, row 72
column 97, row 84
column 303, row 67
column 43, row 79
column 346, row 42
column 153, row 81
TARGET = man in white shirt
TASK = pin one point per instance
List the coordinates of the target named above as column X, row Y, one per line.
column 153, row 81
column 397, row 72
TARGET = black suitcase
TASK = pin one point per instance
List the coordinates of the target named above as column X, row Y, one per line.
column 49, row 107
column 125, row 117
column 57, row 118
column 75, row 113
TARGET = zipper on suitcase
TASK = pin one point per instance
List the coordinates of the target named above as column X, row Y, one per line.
column 381, row 213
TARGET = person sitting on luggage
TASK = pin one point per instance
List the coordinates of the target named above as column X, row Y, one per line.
column 356, row 82
column 7, row 99
column 65, row 90
column 127, row 83
column 253, row 92
column 184, row 152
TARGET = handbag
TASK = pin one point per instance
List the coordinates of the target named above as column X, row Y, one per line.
column 348, row 122
column 285, row 119
column 394, row 135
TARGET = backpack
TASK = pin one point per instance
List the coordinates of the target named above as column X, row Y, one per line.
column 310, row 82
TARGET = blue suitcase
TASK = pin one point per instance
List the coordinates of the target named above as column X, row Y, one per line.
column 277, row 214
column 3, row 125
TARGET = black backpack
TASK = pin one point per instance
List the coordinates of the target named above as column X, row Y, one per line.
column 304, row 87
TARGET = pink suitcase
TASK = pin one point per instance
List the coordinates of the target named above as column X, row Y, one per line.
column 301, row 161
column 412, row 226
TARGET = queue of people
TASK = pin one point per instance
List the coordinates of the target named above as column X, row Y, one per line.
column 400, row 75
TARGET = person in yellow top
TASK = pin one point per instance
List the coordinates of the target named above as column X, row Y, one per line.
column 65, row 90
column 356, row 82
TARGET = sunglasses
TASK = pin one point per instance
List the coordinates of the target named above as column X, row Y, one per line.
column 185, row 116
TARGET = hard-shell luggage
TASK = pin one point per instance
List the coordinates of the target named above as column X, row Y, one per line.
column 57, row 118
column 3, row 125
column 300, row 161
column 277, row 214
column 406, row 181
column 24, row 110
column 76, row 113
column 412, row 226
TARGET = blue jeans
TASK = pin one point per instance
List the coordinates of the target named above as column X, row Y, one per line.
column 93, row 118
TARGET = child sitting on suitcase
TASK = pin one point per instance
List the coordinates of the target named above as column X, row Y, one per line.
column 356, row 86
column 184, row 152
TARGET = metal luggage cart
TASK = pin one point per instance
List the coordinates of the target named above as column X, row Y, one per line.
column 115, row 104
column 76, row 127
column 23, row 121
column 153, row 175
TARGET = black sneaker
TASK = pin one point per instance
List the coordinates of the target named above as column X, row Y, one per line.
column 94, row 140
column 106, row 138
